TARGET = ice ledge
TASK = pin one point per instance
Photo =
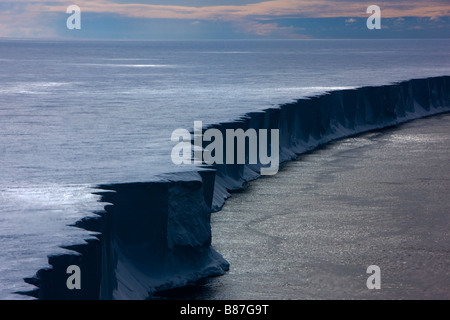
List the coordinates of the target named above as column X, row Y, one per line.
column 308, row 123
column 157, row 235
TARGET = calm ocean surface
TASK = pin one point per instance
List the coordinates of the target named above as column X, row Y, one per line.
column 311, row 230
column 74, row 114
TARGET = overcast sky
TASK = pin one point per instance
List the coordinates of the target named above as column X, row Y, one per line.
column 224, row 19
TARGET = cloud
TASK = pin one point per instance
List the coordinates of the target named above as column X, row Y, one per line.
column 273, row 8
column 260, row 29
column 24, row 21
column 268, row 29
column 31, row 17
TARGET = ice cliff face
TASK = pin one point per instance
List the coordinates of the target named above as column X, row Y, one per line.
column 151, row 236
column 308, row 123
column 157, row 235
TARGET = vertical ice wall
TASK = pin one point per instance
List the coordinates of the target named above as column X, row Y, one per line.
column 157, row 235
column 308, row 123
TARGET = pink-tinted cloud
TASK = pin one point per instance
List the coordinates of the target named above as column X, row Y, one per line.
column 26, row 17
column 24, row 20
column 268, row 29
column 273, row 8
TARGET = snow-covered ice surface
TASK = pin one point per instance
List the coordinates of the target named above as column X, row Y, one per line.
column 74, row 115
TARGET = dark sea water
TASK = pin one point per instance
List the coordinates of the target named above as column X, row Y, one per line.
column 312, row 230
column 74, row 114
